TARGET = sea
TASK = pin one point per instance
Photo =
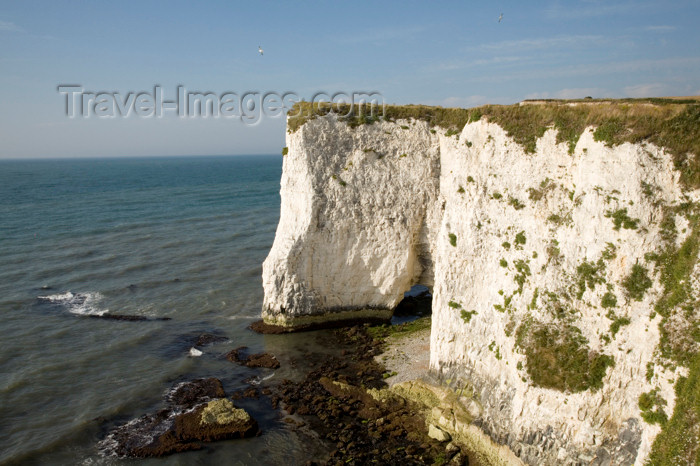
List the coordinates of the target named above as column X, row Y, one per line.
column 182, row 238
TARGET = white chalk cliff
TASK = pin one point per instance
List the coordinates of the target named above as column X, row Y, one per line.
column 504, row 239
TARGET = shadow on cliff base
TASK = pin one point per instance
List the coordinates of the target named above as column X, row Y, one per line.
column 417, row 302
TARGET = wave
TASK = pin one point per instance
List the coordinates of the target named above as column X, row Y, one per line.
column 243, row 316
column 76, row 303
column 257, row 380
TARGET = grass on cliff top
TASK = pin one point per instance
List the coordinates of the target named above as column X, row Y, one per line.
column 448, row 118
column 670, row 123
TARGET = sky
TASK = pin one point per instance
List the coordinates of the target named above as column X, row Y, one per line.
column 454, row 54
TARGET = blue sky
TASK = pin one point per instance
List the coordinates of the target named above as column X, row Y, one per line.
column 446, row 53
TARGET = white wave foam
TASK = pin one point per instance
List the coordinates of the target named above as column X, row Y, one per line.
column 138, row 432
column 77, row 303
column 194, row 352
column 256, row 380
column 57, row 298
column 257, row 316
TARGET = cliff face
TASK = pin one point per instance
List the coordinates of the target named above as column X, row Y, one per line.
column 359, row 218
column 539, row 263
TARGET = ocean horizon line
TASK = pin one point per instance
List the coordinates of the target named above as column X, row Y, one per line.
column 132, row 157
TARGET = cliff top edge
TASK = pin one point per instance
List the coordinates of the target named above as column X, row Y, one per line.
column 672, row 123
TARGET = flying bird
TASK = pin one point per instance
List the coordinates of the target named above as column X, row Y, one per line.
column 260, row 50
column 500, row 18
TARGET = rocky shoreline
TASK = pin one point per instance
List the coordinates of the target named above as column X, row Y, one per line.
column 348, row 404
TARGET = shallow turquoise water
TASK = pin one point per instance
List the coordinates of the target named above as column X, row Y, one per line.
column 161, row 237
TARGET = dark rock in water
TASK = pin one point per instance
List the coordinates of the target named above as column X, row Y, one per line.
column 128, row 318
column 198, row 413
column 187, row 394
column 254, row 360
column 167, row 432
column 131, row 287
column 262, row 360
column 209, row 338
column 251, row 392
column 237, row 355
column 175, row 345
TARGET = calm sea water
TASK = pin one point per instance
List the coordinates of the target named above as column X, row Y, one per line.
column 161, row 237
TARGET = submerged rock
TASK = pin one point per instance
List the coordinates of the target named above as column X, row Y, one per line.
column 192, row 343
column 239, row 356
column 197, row 413
column 126, row 317
column 189, row 393
column 263, row 360
column 206, row 339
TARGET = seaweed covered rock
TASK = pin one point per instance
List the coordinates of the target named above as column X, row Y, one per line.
column 197, row 413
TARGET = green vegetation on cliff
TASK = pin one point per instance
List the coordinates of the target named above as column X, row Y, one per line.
column 621, row 219
column 680, row 324
column 678, row 442
column 559, row 357
column 637, row 282
column 467, row 315
column 651, row 406
column 380, row 332
column 589, row 274
column 453, row 239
